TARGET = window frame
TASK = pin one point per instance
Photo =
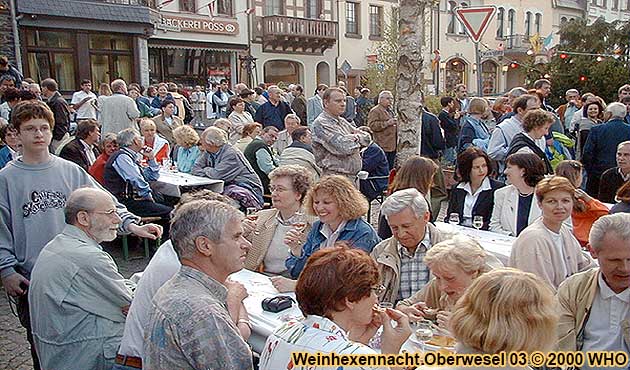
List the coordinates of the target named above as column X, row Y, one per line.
column 356, row 9
column 528, row 23
column 272, row 5
column 375, row 26
column 182, row 6
column 500, row 23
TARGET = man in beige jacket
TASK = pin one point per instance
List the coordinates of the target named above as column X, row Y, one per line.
column 400, row 258
column 382, row 122
column 594, row 305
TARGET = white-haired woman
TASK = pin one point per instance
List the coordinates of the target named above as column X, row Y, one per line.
column 222, row 161
column 187, row 150
column 505, row 310
column 455, row 264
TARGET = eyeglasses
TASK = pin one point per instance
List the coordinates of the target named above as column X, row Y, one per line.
column 378, row 289
column 277, row 189
column 109, row 212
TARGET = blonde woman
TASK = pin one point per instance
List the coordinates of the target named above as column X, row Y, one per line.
column 505, row 310
column 547, row 247
column 455, row 264
column 159, row 145
column 187, row 149
column 339, row 206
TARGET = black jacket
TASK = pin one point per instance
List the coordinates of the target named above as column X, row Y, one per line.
column 61, row 113
column 450, row 126
column 432, row 142
column 73, row 151
column 520, row 141
column 482, row 207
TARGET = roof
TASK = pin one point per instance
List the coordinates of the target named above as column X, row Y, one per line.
column 98, row 10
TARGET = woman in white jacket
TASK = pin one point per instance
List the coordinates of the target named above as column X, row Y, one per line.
column 514, row 205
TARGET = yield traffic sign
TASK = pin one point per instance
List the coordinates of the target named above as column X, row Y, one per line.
column 475, row 19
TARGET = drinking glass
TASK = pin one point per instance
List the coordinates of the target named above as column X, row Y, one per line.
column 453, row 218
column 298, row 221
column 166, row 163
column 250, row 214
column 423, row 332
column 478, row 222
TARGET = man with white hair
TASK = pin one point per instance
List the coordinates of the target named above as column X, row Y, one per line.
column 118, row 112
column 190, row 325
column 594, row 305
column 600, row 150
column 567, row 110
column 273, row 112
column 400, row 258
column 383, row 124
column 613, row 178
column 291, row 122
column 220, row 160
column 78, row 299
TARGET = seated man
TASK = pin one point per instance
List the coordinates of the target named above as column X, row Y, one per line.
column 83, row 149
column 129, row 181
column 260, row 155
column 190, row 322
column 220, row 160
column 613, row 178
column 400, row 258
column 594, row 305
column 163, row 266
column 77, row 298
column 300, row 152
column 375, row 163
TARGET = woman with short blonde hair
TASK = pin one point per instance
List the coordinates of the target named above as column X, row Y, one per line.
column 159, row 145
column 187, row 150
column 340, row 207
column 505, row 310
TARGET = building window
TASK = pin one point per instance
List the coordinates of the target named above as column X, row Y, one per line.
column 111, row 57
column 282, row 71
column 615, row 5
column 188, row 66
column 455, row 73
column 500, row 21
column 452, row 19
column 376, row 21
column 511, row 16
column 352, row 17
column 224, row 7
column 460, row 27
column 489, row 73
column 188, row 6
column 274, row 7
column 50, row 54
column 528, row 24
column 538, row 23
column 314, row 9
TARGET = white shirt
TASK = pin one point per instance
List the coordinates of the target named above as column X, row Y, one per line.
column 331, row 236
column 559, row 244
column 471, row 199
column 603, row 331
column 277, row 253
column 87, row 148
column 86, row 110
column 161, row 268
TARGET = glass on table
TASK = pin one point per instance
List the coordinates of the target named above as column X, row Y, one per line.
column 423, row 331
column 478, row 222
column 166, row 163
column 453, row 218
column 250, row 213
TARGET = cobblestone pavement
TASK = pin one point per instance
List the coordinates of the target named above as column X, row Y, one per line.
column 14, row 349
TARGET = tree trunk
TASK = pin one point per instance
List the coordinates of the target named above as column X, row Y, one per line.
column 409, row 78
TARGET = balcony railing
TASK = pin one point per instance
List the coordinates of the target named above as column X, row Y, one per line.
column 516, row 43
column 276, row 25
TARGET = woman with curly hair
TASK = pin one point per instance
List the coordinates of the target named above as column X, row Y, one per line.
column 187, row 149
column 339, row 206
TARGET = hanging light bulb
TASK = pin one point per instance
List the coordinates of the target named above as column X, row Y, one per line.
column 600, row 58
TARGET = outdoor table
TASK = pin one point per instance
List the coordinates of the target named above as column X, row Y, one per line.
column 175, row 183
column 498, row 244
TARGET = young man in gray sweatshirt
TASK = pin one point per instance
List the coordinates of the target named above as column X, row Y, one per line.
column 33, row 193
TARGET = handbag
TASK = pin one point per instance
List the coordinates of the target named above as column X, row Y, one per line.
column 277, row 304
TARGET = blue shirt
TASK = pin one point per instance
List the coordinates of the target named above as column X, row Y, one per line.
column 273, row 115
column 357, row 232
column 186, row 158
column 130, row 171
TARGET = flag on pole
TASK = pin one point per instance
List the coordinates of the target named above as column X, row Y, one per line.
column 250, row 11
column 548, row 41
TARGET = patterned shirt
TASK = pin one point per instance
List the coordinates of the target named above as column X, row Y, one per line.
column 312, row 334
column 190, row 327
column 414, row 274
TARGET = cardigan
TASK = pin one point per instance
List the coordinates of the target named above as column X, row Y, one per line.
column 534, row 251
column 482, row 207
column 505, row 211
column 357, row 232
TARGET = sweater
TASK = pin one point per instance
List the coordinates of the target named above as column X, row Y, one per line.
column 609, row 184
column 32, row 210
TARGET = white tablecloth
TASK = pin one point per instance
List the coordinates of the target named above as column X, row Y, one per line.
column 171, row 183
column 498, row 244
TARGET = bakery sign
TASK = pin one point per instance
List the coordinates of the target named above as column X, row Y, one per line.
column 179, row 24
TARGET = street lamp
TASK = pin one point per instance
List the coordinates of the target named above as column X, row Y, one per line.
column 248, row 62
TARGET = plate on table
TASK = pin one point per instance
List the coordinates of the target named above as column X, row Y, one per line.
column 438, row 342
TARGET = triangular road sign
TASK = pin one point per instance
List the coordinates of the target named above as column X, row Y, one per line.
column 475, row 19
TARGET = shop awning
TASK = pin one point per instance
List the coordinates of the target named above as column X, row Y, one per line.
column 195, row 45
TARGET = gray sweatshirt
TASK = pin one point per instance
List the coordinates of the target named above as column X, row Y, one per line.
column 32, row 202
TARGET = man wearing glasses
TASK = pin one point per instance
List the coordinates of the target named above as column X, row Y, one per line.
column 78, row 300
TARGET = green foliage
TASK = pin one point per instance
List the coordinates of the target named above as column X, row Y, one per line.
column 432, row 103
column 602, row 78
column 378, row 79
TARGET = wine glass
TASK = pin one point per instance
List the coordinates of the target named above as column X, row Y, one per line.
column 166, row 163
column 478, row 222
column 298, row 221
column 250, row 214
column 453, row 218
column 423, row 332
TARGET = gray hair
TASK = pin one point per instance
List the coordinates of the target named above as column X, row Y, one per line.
column 402, row 199
column 461, row 251
column 572, row 91
column 118, row 85
column 627, row 142
column 214, row 136
column 292, row 116
column 81, row 199
column 617, row 110
column 125, row 137
column 206, row 218
column 616, row 223
column 274, row 87
column 382, row 94
column 517, row 91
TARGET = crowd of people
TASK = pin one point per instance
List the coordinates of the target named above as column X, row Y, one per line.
column 299, row 177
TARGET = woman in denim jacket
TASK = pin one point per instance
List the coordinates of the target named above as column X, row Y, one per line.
column 474, row 131
column 339, row 206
